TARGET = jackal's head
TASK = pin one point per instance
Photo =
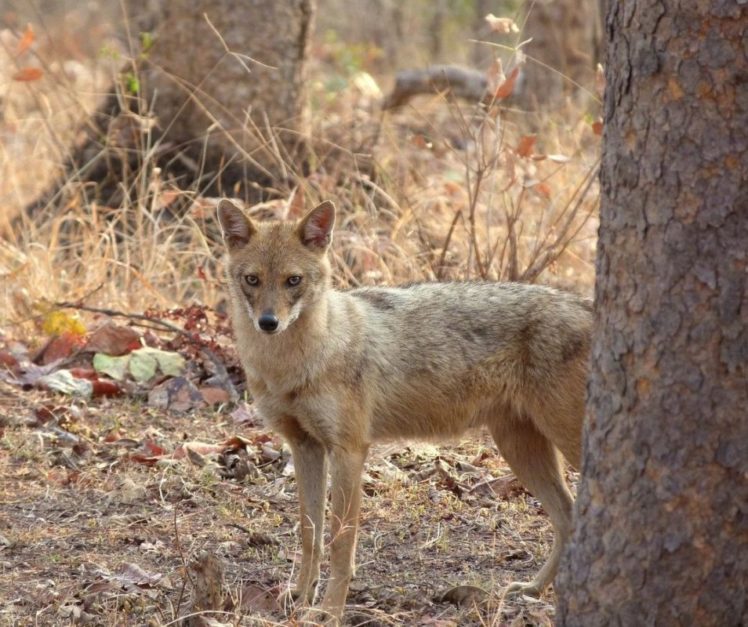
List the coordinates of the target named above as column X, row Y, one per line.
column 276, row 269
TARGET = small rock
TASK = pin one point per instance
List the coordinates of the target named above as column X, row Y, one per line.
column 463, row 596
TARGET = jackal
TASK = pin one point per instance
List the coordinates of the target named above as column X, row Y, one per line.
column 334, row 371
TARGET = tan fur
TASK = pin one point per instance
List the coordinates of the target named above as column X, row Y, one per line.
column 348, row 368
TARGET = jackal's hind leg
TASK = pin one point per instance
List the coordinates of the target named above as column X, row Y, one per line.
column 537, row 464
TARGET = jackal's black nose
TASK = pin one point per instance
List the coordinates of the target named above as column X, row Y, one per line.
column 268, row 322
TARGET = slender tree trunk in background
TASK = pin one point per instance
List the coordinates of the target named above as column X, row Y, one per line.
column 662, row 514
column 565, row 40
column 482, row 55
column 436, row 29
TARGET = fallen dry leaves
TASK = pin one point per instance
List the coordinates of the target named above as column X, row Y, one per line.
column 114, row 359
column 114, row 502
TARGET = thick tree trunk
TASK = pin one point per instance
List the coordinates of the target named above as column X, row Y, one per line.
column 215, row 99
column 232, row 74
column 565, row 44
column 662, row 514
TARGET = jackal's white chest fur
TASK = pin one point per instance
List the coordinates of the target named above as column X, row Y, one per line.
column 295, row 374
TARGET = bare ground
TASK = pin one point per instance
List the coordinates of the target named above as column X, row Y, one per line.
column 101, row 525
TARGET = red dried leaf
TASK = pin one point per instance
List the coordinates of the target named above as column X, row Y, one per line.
column 8, row 360
column 454, row 188
column 113, row 339
column 148, row 460
column 507, row 87
column 168, row 196
column 28, row 74
column 236, row 442
column 106, row 388
column 200, row 448
column 45, row 413
column 526, row 145
column 543, row 189
column 60, row 347
column 84, row 373
column 597, row 127
column 99, row 387
column 113, row 436
column 63, row 477
column 24, row 43
column 419, row 141
column 153, row 449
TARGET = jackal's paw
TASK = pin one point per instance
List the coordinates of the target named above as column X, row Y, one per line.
column 529, row 588
column 295, row 597
column 318, row 616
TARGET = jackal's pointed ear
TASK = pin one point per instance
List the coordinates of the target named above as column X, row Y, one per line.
column 237, row 228
column 315, row 228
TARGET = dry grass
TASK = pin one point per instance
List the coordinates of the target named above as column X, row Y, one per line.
column 451, row 199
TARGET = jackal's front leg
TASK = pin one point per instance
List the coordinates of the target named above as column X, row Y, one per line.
column 310, row 463
column 346, row 468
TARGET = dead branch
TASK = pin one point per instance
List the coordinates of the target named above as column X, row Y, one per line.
column 457, row 81
column 448, row 239
column 551, row 252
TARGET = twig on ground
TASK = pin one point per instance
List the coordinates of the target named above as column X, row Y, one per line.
column 184, row 561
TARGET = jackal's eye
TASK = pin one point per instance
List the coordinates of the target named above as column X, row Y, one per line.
column 293, row 280
column 252, row 279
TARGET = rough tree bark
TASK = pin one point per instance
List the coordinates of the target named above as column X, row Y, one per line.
column 241, row 104
column 662, row 513
column 566, row 41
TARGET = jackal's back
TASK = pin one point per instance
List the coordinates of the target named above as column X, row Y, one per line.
column 445, row 356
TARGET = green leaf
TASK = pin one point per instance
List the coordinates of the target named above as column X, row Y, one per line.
column 170, row 363
column 132, row 83
column 145, row 361
column 114, row 367
column 142, row 365
column 146, row 42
